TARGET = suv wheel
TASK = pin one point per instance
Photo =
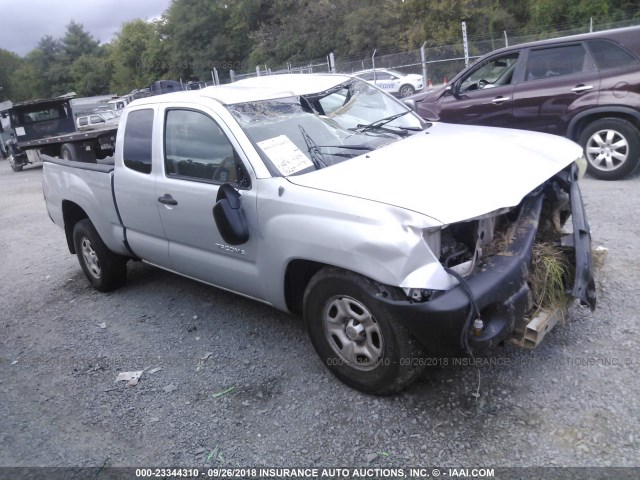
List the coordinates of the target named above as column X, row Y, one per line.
column 612, row 148
column 355, row 335
column 406, row 90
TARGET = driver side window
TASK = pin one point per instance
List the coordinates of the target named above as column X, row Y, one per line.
column 493, row 72
column 195, row 147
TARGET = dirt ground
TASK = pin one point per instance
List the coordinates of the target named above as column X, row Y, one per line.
column 231, row 382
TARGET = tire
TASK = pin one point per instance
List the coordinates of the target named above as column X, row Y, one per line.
column 387, row 358
column 73, row 152
column 11, row 150
column 104, row 269
column 611, row 147
column 406, row 90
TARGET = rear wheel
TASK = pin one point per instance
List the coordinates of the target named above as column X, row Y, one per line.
column 356, row 336
column 77, row 153
column 104, row 269
column 611, row 147
column 406, row 90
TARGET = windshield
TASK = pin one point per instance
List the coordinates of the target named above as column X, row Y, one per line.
column 300, row 134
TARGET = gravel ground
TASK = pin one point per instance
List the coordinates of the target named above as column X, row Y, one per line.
column 573, row 401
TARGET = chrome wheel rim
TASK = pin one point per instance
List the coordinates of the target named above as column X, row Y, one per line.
column 353, row 333
column 90, row 258
column 607, row 150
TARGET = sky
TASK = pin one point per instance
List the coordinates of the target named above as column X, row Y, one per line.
column 25, row 22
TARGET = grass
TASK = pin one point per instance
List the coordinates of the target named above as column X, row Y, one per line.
column 223, row 392
column 550, row 268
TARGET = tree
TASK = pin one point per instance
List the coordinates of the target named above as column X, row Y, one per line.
column 9, row 63
column 137, row 56
column 195, row 28
column 91, row 74
column 30, row 80
column 297, row 30
column 76, row 43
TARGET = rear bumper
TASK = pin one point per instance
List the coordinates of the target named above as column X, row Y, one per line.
column 500, row 288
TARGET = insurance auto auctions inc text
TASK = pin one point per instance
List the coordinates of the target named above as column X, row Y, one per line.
column 367, row 473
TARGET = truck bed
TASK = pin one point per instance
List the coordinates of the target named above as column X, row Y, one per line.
column 89, row 185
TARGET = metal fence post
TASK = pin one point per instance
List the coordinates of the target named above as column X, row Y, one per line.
column 506, row 39
column 215, row 73
column 332, row 63
column 373, row 64
column 257, row 70
column 465, row 44
column 423, row 56
column 232, row 74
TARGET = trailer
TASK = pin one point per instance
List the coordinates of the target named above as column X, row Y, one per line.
column 47, row 126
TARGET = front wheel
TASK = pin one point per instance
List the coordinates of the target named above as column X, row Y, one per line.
column 15, row 166
column 105, row 270
column 611, row 147
column 356, row 336
column 407, row 90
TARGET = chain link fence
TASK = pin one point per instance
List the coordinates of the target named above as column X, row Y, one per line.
column 439, row 63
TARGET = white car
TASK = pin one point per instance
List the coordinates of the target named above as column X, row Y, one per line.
column 392, row 81
column 97, row 120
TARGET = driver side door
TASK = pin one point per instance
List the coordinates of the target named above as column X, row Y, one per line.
column 484, row 96
column 200, row 154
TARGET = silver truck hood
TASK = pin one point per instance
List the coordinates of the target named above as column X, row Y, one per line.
column 450, row 173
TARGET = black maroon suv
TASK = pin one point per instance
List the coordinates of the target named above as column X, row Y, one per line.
column 585, row 87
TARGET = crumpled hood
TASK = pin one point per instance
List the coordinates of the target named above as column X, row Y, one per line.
column 450, row 172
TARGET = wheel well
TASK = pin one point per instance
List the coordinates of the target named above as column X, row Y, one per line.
column 72, row 213
column 296, row 279
column 580, row 125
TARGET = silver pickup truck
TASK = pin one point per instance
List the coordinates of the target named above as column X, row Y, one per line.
column 321, row 195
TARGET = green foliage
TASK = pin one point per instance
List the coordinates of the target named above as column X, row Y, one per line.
column 137, row 56
column 194, row 36
column 9, row 63
column 90, row 74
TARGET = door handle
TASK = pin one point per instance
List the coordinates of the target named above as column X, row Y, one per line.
column 581, row 88
column 167, row 199
column 499, row 100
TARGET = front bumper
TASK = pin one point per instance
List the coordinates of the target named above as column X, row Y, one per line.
column 500, row 288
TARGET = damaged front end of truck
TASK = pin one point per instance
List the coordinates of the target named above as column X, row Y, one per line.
column 517, row 271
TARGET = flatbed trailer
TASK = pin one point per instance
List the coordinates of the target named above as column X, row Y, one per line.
column 47, row 127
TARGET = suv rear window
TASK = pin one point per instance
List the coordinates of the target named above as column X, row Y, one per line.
column 608, row 55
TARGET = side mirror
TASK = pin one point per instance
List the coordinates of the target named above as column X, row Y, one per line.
column 228, row 215
column 411, row 103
